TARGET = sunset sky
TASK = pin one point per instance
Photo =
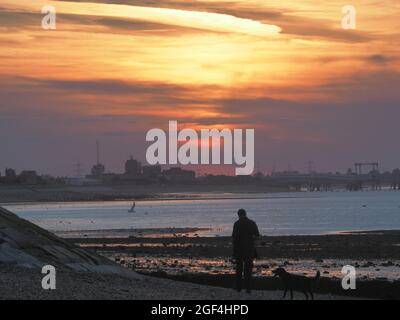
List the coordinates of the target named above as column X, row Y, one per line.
column 115, row 69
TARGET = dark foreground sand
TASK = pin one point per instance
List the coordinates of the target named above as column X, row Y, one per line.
column 22, row 283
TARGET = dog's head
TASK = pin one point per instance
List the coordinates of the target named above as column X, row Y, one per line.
column 279, row 272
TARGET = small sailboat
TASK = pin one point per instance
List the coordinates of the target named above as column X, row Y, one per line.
column 132, row 209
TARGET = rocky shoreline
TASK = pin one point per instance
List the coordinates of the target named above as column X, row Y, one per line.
column 207, row 260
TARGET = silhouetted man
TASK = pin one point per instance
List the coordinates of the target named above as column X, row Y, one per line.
column 245, row 232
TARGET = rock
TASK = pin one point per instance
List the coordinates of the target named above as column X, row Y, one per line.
column 26, row 244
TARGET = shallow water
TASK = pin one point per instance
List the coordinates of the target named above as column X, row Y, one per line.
column 276, row 214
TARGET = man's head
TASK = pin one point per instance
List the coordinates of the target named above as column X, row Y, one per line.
column 242, row 213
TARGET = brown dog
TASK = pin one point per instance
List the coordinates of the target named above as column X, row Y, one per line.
column 294, row 282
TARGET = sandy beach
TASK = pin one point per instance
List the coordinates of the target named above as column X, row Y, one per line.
column 81, row 273
column 112, row 261
column 172, row 284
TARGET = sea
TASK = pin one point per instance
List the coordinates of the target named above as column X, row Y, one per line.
column 297, row 213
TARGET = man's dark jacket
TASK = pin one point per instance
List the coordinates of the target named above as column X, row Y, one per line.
column 245, row 231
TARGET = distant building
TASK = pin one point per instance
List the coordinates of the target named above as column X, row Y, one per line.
column 178, row 175
column 98, row 170
column 133, row 168
column 152, row 171
column 28, row 176
column 10, row 175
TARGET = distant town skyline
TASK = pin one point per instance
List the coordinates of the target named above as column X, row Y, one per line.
column 98, row 167
column 312, row 90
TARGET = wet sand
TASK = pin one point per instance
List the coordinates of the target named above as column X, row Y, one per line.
column 114, row 234
column 188, row 242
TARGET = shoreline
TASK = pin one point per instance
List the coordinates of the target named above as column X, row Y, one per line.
column 83, row 274
column 207, row 260
column 363, row 244
column 375, row 254
column 191, row 232
column 42, row 194
column 107, row 197
column 187, row 254
column 114, row 268
column 166, row 197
